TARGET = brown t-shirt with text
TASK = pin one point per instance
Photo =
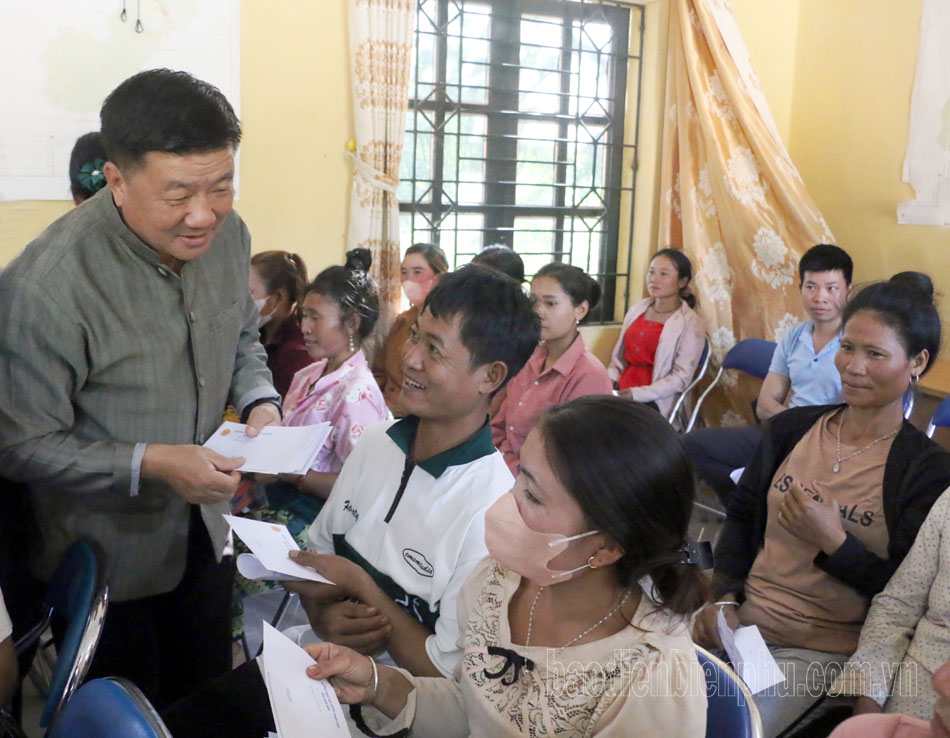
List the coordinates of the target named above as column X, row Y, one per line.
column 793, row 602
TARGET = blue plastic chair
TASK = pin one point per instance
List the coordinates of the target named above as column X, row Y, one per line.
column 108, row 708
column 940, row 418
column 76, row 596
column 730, row 709
column 753, row 356
column 701, row 370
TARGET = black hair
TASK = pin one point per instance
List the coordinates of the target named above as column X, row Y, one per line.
column 86, row 177
column 352, row 288
column 578, row 285
column 825, row 258
column 684, row 268
column 165, row 111
column 503, row 258
column 281, row 270
column 434, row 256
column 905, row 302
column 629, row 472
column 498, row 322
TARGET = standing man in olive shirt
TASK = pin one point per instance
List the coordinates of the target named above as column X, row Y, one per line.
column 125, row 329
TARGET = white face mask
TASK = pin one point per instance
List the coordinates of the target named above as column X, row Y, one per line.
column 261, row 318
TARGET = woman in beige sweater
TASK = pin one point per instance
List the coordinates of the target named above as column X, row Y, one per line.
column 577, row 624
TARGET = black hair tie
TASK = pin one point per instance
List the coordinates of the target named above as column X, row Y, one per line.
column 512, row 659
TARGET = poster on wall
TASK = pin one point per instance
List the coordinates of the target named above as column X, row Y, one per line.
column 61, row 58
column 927, row 163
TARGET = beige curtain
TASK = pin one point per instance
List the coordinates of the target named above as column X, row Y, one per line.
column 730, row 195
column 380, row 52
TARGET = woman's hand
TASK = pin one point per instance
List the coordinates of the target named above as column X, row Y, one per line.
column 814, row 521
column 940, row 725
column 350, row 673
column 706, row 626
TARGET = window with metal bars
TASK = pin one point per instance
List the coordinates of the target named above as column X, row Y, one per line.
column 515, row 131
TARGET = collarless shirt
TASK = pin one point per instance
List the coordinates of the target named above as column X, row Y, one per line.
column 418, row 534
column 814, row 379
column 103, row 349
column 533, row 390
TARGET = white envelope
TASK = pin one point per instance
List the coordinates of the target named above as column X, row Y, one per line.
column 302, row 707
column 270, row 543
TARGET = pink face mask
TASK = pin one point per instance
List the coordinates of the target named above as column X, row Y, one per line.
column 524, row 551
column 416, row 291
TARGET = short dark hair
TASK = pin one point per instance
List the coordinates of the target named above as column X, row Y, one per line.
column 281, row 270
column 684, row 268
column 169, row 112
column 905, row 302
column 503, row 258
column 434, row 256
column 575, row 282
column 352, row 288
column 825, row 258
column 629, row 472
column 498, row 322
column 87, row 152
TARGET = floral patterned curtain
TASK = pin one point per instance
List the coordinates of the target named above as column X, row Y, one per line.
column 380, row 50
column 730, row 195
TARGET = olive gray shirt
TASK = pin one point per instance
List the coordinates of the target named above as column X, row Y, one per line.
column 103, row 350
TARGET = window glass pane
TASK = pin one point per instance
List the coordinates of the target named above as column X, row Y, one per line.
column 537, row 172
column 422, row 70
column 540, row 79
column 592, row 43
column 461, row 237
column 468, row 52
column 534, row 240
column 417, row 151
column 587, row 147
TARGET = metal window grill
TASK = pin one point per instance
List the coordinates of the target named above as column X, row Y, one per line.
column 515, row 131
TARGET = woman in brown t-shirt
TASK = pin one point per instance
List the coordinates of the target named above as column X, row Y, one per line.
column 832, row 502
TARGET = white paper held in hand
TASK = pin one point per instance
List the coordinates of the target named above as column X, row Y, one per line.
column 302, row 707
column 270, row 543
column 275, row 450
column 749, row 655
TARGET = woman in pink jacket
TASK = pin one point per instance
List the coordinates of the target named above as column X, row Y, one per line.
column 662, row 337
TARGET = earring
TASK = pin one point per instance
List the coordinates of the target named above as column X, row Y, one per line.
column 914, row 379
column 591, row 564
column 352, row 343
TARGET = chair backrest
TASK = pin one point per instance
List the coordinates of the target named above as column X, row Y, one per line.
column 108, row 708
column 752, row 355
column 78, row 597
column 730, row 709
column 940, row 418
column 701, row 370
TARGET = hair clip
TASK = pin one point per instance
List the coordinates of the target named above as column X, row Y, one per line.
column 698, row 554
column 91, row 176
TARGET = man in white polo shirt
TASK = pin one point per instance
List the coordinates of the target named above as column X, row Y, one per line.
column 406, row 515
column 802, row 372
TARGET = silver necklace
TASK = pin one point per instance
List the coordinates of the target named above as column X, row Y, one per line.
column 838, row 459
column 575, row 639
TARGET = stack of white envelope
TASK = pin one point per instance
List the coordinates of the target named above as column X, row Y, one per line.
column 276, row 449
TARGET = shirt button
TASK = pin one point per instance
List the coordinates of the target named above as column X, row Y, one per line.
column 191, row 316
column 201, row 382
column 511, row 427
column 520, row 404
column 536, row 383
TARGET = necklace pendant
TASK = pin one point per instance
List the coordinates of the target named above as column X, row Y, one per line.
column 836, row 468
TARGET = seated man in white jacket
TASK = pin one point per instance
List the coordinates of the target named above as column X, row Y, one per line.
column 406, row 515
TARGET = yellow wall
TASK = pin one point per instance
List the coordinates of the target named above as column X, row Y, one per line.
column 296, row 117
column 839, row 77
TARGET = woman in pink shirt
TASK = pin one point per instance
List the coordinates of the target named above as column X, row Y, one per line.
column 662, row 337
column 561, row 368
